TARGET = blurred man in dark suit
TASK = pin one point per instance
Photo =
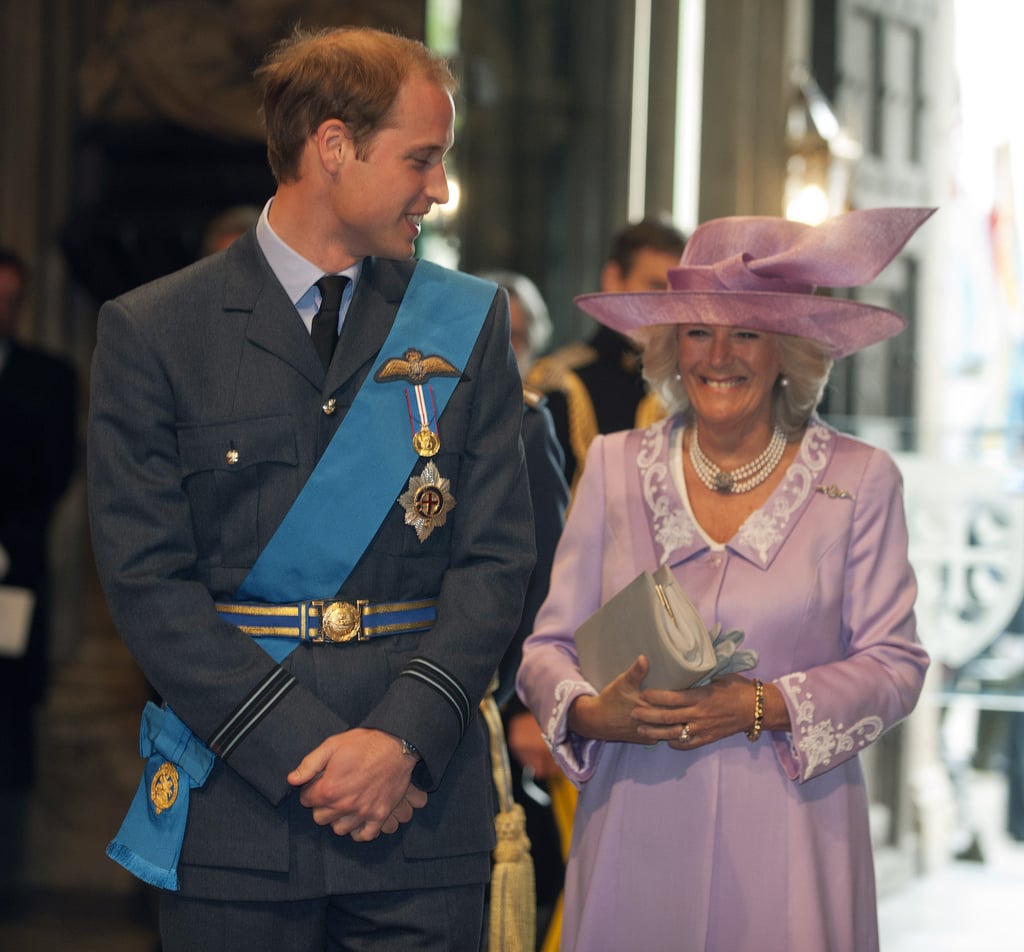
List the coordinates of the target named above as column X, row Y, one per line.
column 37, row 456
column 596, row 386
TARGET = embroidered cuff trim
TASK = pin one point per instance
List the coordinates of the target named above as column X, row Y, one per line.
column 441, row 681
column 251, row 711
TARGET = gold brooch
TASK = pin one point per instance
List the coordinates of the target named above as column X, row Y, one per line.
column 833, row 492
column 163, row 790
column 427, row 501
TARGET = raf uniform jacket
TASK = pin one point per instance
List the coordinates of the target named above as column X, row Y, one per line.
column 209, row 410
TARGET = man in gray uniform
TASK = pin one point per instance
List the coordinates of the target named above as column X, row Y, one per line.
column 316, row 548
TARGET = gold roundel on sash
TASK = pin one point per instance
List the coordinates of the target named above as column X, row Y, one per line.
column 163, row 790
column 426, row 442
column 429, row 501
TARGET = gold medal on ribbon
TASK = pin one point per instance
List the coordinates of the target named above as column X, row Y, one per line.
column 427, row 501
column 426, row 442
column 163, row 790
column 416, row 368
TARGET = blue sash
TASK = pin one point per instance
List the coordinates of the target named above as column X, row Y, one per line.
column 326, row 531
column 315, row 548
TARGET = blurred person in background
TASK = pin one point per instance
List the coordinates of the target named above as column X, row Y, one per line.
column 529, row 318
column 533, row 767
column 226, row 226
column 38, row 449
column 596, row 386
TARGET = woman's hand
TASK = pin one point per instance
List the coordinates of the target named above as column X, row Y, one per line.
column 709, row 713
column 610, row 714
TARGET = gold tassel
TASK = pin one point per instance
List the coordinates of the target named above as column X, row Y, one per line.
column 513, row 912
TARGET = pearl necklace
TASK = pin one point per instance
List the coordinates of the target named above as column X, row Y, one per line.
column 745, row 478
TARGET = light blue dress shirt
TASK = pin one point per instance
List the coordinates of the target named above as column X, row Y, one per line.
column 298, row 275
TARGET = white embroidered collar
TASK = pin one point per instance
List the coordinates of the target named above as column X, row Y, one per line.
column 677, row 534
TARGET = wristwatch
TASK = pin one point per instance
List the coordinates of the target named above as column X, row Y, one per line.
column 408, row 749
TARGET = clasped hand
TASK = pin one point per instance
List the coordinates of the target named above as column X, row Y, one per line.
column 626, row 713
column 358, row 783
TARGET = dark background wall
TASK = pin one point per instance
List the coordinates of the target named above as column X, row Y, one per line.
column 127, row 124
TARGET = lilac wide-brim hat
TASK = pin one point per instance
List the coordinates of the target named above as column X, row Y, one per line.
column 761, row 273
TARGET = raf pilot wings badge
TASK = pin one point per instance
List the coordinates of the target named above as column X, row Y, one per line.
column 415, row 368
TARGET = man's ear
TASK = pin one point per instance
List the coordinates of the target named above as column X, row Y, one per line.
column 333, row 144
column 611, row 276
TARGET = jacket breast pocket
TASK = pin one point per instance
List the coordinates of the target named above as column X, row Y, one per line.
column 232, row 473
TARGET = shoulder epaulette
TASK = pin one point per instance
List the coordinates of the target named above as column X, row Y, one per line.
column 550, row 372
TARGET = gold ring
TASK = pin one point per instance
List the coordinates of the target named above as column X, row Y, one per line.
column 684, row 732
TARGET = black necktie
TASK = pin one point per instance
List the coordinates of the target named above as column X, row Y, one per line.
column 325, row 321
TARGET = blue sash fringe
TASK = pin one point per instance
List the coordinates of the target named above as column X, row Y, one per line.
column 149, row 841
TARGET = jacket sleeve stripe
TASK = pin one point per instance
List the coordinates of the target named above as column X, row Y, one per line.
column 251, row 711
column 442, row 682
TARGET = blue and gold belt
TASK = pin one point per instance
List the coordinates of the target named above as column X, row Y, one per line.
column 324, row 621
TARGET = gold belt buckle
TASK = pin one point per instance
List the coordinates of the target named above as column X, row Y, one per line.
column 340, row 621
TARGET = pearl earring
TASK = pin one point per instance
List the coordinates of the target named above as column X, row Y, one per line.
column 783, row 381
column 679, row 376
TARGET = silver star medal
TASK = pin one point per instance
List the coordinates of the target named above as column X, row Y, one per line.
column 427, row 501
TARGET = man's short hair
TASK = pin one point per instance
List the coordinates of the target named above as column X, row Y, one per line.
column 658, row 234
column 351, row 73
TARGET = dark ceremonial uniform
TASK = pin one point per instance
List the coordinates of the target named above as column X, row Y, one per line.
column 210, row 408
column 593, row 387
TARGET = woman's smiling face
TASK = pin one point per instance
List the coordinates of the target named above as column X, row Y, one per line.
column 729, row 374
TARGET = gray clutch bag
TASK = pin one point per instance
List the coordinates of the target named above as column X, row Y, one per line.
column 652, row 616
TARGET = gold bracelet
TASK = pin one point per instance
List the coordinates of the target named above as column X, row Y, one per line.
column 755, row 731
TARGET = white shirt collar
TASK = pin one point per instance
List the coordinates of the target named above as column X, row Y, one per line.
column 296, row 273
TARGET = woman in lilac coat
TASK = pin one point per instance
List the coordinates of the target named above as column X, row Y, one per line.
column 734, row 816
